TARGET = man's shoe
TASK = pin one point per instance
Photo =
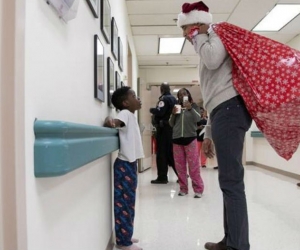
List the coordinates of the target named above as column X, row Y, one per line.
column 216, row 167
column 203, row 166
column 158, row 181
column 215, row 246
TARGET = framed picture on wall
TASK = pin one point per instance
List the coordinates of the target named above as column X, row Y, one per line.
column 118, row 80
column 110, row 81
column 99, row 86
column 94, row 6
column 105, row 20
column 114, row 38
column 120, row 53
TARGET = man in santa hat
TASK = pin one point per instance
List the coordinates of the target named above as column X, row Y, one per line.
column 227, row 124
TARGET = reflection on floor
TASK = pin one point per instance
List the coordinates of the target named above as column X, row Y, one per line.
column 166, row 221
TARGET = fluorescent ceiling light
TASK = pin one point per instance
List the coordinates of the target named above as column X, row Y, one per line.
column 175, row 90
column 278, row 17
column 171, row 45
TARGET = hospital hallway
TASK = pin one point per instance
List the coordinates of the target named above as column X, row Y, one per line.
column 166, row 221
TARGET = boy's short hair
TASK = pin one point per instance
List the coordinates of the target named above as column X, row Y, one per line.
column 119, row 96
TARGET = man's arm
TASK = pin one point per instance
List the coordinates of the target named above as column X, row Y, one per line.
column 209, row 47
column 160, row 109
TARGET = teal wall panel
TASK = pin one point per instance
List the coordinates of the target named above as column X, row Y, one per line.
column 257, row 134
column 61, row 147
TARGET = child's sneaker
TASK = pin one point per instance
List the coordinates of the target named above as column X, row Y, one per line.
column 131, row 247
column 197, row 195
column 182, row 193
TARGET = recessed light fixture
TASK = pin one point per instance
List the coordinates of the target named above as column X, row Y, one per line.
column 171, row 45
column 278, row 17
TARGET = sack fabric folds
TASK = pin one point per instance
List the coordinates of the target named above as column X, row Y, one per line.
column 266, row 74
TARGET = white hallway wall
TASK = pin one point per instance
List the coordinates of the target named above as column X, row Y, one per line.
column 73, row 211
column 168, row 75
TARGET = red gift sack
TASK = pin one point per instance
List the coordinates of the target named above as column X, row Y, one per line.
column 267, row 75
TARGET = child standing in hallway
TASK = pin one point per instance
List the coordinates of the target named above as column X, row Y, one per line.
column 185, row 146
column 125, row 166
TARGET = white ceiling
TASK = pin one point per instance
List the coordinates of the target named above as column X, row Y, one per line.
column 151, row 19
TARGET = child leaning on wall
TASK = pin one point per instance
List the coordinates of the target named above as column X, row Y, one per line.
column 125, row 166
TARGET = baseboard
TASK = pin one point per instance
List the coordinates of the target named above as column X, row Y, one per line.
column 110, row 245
column 144, row 164
column 274, row 170
column 145, row 170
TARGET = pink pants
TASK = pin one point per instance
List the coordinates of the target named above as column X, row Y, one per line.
column 188, row 154
column 201, row 153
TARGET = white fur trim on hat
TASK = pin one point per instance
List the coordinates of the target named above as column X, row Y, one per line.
column 193, row 17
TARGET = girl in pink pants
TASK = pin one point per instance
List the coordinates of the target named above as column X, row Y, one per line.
column 185, row 148
column 188, row 156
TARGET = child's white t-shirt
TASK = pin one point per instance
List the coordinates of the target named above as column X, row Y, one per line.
column 131, row 147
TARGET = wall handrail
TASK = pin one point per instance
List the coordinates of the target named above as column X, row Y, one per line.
column 61, row 147
column 257, row 134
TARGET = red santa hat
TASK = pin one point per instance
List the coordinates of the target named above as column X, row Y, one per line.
column 194, row 13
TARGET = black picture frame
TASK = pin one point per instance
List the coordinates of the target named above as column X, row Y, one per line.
column 118, row 80
column 99, row 73
column 105, row 20
column 94, row 6
column 110, row 81
column 120, row 54
column 114, row 38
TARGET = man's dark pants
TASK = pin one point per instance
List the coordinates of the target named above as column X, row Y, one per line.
column 164, row 154
column 230, row 121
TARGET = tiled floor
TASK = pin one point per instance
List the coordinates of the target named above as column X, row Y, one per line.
column 166, row 221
